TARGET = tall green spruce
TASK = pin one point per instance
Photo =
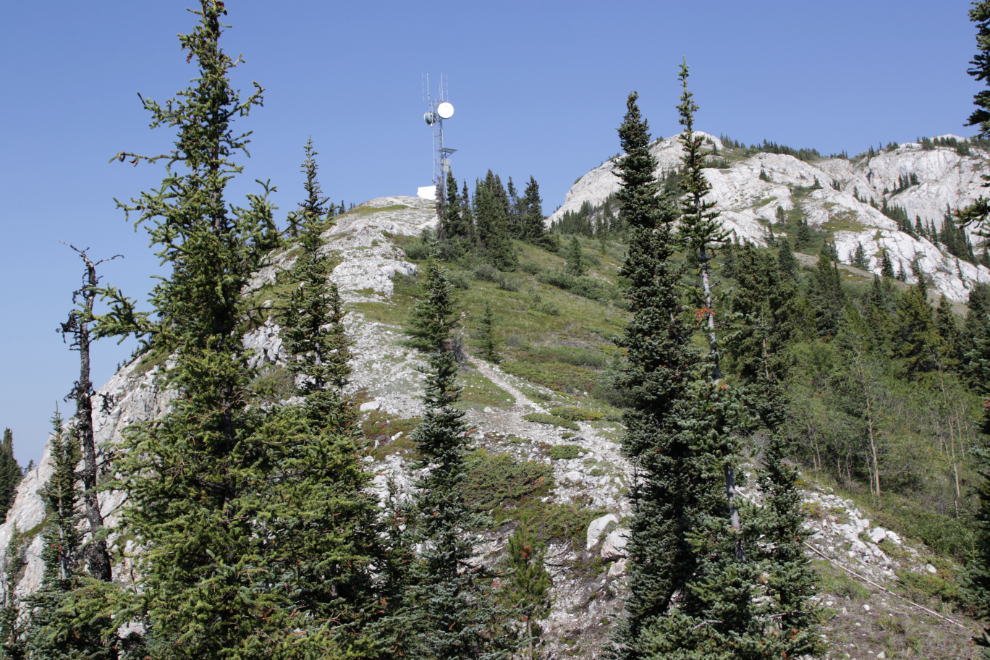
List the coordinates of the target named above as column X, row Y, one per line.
column 10, row 473
column 449, row 609
column 492, row 223
column 253, row 520
column 977, row 581
column 658, row 361
column 312, row 320
column 713, row 613
column 703, row 581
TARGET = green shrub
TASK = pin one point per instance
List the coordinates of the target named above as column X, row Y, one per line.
column 417, row 251
column 576, row 414
column 923, row 586
column 494, row 480
column 458, row 279
column 531, row 267
column 541, row 418
column 549, row 308
column 580, row 357
column 586, row 287
column 564, row 452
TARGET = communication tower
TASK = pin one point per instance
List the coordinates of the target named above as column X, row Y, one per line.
column 438, row 110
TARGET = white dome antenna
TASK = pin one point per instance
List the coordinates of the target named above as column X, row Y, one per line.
column 438, row 111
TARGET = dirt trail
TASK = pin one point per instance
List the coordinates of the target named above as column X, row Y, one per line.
column 495, row 375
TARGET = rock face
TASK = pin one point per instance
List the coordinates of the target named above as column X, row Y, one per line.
column 588, row 579
column 946, row 180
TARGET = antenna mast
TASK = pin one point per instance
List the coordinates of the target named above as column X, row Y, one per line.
column 439, row 109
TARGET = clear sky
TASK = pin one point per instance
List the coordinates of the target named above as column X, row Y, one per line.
column 539, row 88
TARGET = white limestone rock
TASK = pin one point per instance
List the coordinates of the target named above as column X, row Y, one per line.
column 614, row 545
column 598, row 526
column 747, row 203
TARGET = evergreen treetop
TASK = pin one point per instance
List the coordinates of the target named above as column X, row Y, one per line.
column 10, row 473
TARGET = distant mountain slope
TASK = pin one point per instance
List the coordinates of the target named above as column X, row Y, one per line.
column 945, row 180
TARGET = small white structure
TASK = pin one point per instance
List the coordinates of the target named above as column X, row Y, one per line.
column 427, row 192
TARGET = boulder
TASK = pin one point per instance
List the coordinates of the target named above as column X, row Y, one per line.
column 614, row 546
column 370, row 405
column 598, row 526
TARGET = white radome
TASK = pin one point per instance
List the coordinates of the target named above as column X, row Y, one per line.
column 445, row 110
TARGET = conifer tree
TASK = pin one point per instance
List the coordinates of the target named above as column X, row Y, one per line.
column 452, row 226
column 765, row 302
column 313, row 316
column 886, row 266
column 10, row 473
column 785, row 259
column 575, row 262
column 532, row 217
column 252, row 518
column 978, row 212
column 467, row 216
column 700, row 232
column 916, row 330
column 657, row 343
column 859, row 259
column 527, row 590
column 826, row 295
column 491, row 222
column 487, row 335
column 449, row 609
column 52, row 633
column 12, row 626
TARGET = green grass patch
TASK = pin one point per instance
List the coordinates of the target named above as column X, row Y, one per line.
column 542, row 418
column 924, row 586
column 576, row 414
column 380, row 427
column 564, row 452
column 835, row 581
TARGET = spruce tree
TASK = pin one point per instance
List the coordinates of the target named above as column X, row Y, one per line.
column 700, row 232
column 491, row 222
column 574, row 260
column 313, row 316
column 10, row 473
column 527, row 589
column 859, row 259
column 765, row 304
column 253, row 519
column 532, row 217
column 487, row 336
column 12, row 624
column 449, row 609
column 916, row 331
column 785, row 259
column 658, row 358
column 826, row 295
column 886, row 266
column 52, row 633
column 978, row 212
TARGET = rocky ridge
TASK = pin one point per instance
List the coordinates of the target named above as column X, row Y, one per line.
column 946, row 180
column 588, row 578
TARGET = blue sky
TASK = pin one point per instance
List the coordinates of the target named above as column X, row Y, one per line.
column 538, row 87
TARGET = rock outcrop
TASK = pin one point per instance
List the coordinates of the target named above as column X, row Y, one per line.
column 945, row 179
